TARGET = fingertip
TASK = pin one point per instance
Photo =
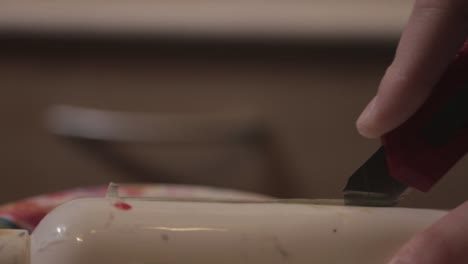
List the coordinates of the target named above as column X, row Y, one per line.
column 443, row 242
column 365, row 124
column 365, row 128
column 399, row 261
column 428, row 247
column 410, row 253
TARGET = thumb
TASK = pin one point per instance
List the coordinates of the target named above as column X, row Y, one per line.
column 444, row 242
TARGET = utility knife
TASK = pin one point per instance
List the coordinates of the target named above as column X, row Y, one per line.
column 417, row 154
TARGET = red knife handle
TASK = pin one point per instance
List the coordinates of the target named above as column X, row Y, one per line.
column 424, row 148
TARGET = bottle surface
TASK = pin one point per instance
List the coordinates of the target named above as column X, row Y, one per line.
column 14, row 246
column 146, row 231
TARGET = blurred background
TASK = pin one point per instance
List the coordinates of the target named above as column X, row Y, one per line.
column 257, row 95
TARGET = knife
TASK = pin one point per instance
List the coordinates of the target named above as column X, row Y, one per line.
column 417, row 154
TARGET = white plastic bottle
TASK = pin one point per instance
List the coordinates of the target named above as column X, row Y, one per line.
column 148, row 231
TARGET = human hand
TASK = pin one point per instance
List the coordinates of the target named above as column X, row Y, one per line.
column 435, row 31
column 445, row 242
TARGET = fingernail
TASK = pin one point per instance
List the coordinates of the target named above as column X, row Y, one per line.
column 365, row 120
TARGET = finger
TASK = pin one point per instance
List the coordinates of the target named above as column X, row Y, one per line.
column 435, row 31
column 444, row 242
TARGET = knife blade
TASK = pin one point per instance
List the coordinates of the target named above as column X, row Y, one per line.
column 372, row 184
column 417, row 154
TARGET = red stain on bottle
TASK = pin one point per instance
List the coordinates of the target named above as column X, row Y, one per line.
column 122, row 206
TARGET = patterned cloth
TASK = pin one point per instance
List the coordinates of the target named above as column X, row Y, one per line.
column 27, row 213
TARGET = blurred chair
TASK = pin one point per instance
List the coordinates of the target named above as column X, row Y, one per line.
column 242, row 151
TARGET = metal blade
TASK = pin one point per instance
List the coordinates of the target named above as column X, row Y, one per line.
column 372, row 185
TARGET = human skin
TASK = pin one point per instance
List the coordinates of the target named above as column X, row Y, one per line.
column 435, row 31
